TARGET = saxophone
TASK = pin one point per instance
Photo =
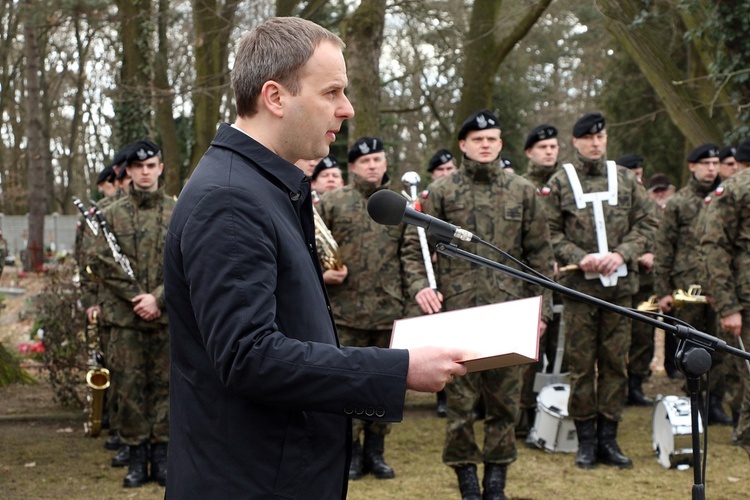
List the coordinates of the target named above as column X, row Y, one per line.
column 328, row 249
column 97, row 378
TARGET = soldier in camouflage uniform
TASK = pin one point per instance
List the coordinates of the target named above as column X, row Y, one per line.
column 503, row 209
column 726, row 252
column 598, row 341
column 139, row 342
column 679, row 262
column 367, row 294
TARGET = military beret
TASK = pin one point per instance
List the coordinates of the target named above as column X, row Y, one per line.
column 658, row 181
column 121, row 156
column 727, row 152
column 364, row 146
column 590, row 123
column 481, row 120
column 708, row 150
column 743, row 151
column 540, row 133
column 329, row 161
column 442, row 156
column 142, row 151
column 630, row 161
column 106, row 175
column 506, row 163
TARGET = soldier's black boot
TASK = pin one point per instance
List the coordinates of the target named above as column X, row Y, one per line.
column 716, row 413
column 609, row 452
column 138, row 469
column 636, row 397
column 735, row 421
column 122, row 458
column 355, row 467
column 159, row 454
column 373, row 460
column 442, row 405
column 113, row 442
column 586, row 456
column 468, row 482
column 493, row 483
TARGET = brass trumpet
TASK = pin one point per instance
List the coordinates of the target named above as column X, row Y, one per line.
column 680, row 296
column 650, row 305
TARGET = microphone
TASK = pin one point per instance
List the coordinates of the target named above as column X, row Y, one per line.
column 389, row 208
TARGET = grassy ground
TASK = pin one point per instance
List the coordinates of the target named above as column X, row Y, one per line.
column 43, row 454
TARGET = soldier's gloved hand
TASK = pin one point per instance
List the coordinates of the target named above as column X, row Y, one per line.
column 666, row 303
column 732, row 324
column 431, row 301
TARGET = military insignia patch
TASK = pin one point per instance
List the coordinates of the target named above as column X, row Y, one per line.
column 719, row 191
column 544, row 191
column 640, row 181
column 707, row 200
column 424, row 194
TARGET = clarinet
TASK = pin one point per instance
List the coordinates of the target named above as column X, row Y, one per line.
column 91, row 223
column 114, row 247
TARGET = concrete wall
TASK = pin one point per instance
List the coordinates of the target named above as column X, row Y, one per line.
column 59, row 232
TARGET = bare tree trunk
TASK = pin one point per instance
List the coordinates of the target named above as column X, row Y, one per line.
column 36, row 143
column 363, row 34
column 690, row 117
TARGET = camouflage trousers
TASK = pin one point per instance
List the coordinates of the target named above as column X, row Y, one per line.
column 596, row 347
column 743, row 426
column 140, row 371
column 355, row 337
column 111, row 394
column 642, row 340
column 500, row 390
column 703, row 318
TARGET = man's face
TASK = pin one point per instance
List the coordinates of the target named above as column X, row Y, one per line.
column 705, row 170
column 370, row 167
column 314, row 116
column 145, row 174
column 307, row 166
column 728, row 167
column 661, row 195
column 544, row 152
column 482, row 146
column 638, row 171
column 328, row 179
column 592, row 146
column 446, row 168
column 107, row 188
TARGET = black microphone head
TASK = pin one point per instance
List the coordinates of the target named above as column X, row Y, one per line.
column 386, row 207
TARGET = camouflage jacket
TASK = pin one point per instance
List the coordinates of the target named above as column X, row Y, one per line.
column 630, row 224
column 539, row 175
column 725, row 244
column 501, row 208
column 677, row 261
column 139, row 222
column 372, row 296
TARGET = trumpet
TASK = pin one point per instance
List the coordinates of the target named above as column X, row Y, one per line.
column 98, row 380
column 650, row 305
column 680, row 296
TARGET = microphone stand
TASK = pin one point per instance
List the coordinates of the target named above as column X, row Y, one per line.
column 693, row 355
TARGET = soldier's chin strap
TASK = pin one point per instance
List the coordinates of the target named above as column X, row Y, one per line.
column 597, row 200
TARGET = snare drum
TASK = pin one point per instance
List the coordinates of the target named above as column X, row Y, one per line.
column 672, row 433
column 554, row 430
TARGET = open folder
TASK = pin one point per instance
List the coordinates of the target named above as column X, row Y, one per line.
column 497, row 335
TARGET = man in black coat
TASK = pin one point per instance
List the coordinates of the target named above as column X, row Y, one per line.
column 261, row 393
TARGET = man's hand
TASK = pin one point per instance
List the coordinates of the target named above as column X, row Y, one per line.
column 732, row 324
column 542, row 329
column 589, row 264
column 145, row 306
column 646, row 263
column 609, row 263
column 430, row 368
column 666, row 303
column 335, row 276
column 431, row 301
column 91, row 311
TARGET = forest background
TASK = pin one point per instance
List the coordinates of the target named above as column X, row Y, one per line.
column 81, row 78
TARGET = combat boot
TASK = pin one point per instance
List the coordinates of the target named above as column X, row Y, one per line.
column 586, row 456
column 468, row 482
column 138, row 469
column 355, row 467
column 373, row 460
column 609, row 452
column 159, row 454
column 122, row 458
column 113, row 442
column 716, row 413
column 493, row 483
column 636, row 397
column 442, row 405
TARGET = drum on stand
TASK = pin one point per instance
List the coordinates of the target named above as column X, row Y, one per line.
column 554, row 430
column 672, row 431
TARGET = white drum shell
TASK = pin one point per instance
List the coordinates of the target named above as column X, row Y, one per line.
column 672, row 431
column 554, row 431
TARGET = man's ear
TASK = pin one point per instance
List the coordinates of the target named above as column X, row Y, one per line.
column 272, row 95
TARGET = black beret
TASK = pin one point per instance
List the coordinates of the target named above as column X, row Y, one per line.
column 630, row 161
column 329, row 161
column 540, row 133
column 481, row 120
column 142, row 151
column 590, row 123
column 727, row 152
column 658, row 181
column 708, row 150
column 106, row 175
column 121, row 156
column 506, row 162
column 442, row 156
column 743, row 151
column 365, row 146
